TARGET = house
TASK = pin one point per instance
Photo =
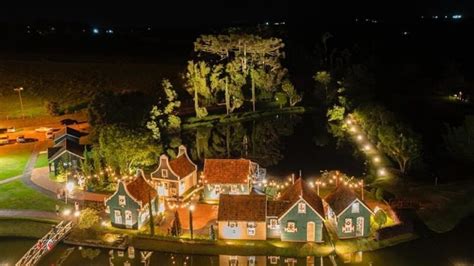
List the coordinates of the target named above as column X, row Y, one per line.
column 67, row 133
column 298, row 213
column 173, row 178
column 227, row 176
column 349, row 214
column 66, row 154
column 242, row 217
column 128, row 206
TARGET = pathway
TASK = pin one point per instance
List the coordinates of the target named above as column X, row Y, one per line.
column 28, row 214
column 40, row 180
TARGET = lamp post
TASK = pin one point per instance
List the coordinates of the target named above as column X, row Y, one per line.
column 19, row 90
column 191, row 209
column 69, row 188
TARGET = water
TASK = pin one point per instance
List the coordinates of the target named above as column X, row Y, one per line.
column 454, row 248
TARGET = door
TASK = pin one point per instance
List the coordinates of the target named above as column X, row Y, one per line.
column 128, row 219
column 319, row 231
column 310, row 232
column 360, row 226
column 118, row 216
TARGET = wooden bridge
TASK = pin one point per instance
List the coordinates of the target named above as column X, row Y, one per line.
column 45, row 244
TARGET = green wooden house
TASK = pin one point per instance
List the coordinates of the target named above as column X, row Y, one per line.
column 227, row 176
column 349, row 214
column 67, row 152
column 301, row 219
column 128, row 206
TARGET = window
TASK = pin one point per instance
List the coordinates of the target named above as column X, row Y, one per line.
column 355, row 207
column 274, row 259
column 234, row 189
column 301, row 207
column 232, row 224
column 251, row 228
column 164, row 173
column 291, row 227
column 347, row 227
column 122, row 201
column 273, row 224
column 217, row 189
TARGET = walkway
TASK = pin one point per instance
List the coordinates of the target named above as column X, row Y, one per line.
column 40, row 180
column 5, row 213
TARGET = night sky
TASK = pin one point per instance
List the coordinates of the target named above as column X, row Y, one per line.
column 182, row 13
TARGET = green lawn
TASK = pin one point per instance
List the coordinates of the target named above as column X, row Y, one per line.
column 42, row 160
column 23, row 227
column 13, row 163
column 16, row 195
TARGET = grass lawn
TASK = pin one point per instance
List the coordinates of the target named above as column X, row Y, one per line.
column 16, row 195
column 23, row 227
column 42, row 160
column 12, row 163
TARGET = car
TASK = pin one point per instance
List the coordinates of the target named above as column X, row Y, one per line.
column 43, row 129
column 68, row 121
column 4, row 139
column 11, row 129
column 50, row 135
column 21, row 139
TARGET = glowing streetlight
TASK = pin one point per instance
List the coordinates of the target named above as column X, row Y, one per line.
column 69, row 188
column 67, row 212
column 359, row 137
column 19, row 90
column 376, row 159
column 382, row 172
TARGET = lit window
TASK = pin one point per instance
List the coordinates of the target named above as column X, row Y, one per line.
column 122, row 201
column 217, row 189
column 232, row 224
column 251, row 228
column 273, row 224
column 291, row 227
column 234, row 189
column 348, row 227
column 301, row 207
column 274, row 259
column 355, row 207
column 164, row 173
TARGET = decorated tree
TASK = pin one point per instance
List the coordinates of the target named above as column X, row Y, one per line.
column 164, row 123
column 88, row 218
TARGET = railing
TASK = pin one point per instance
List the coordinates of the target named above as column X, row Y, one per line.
column 45, row 244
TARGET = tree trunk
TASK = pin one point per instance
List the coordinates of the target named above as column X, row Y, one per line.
column 227, row 96
column 152, row 222
column 253, row 90
column 227, row 140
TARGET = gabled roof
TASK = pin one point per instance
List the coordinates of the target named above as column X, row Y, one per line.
column 66, row 145
column 242, row 208
column 341, row 198
column 276, row 207
column 140, row 190
column 301, row 190
column 68, row 131
column 226, row 171
column 182, row 166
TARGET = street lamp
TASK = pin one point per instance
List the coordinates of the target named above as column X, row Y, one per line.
column 69, row 188
column 19, row 90
column 191, row 209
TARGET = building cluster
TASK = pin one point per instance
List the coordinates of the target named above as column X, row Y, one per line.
column 244, row 212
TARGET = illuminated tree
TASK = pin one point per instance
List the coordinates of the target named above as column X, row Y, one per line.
column 197, row 85
column 380, row 218
column 290, row 91
column 88, row 218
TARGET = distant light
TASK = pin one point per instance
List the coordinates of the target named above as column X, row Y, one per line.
column 435, row 17
column 109, row 31
column 267, row 23
column 457, row 16
column 67, row 212
column 382, row 172
column 422, row 17
column 445, row 16
column 95, row 31
column 405, row 33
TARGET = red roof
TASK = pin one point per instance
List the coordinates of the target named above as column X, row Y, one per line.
column 242, row 208
column 300, row 189
column 141, row 190
column 340, row 198
column 226, row 171
column 182, row 166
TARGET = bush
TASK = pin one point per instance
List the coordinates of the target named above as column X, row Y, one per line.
column 53, row 108
column 89, row 217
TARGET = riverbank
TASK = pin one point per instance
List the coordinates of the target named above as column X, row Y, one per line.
column 25, row 227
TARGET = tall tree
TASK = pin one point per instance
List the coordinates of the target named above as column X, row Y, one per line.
column 197, row 85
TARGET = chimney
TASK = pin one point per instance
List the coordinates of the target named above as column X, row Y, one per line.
column 163, row 159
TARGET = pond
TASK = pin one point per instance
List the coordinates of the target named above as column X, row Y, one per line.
column 284, row 144
column 452, row 248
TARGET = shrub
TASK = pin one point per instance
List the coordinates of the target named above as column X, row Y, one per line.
column 52, row 108
column 89, row 217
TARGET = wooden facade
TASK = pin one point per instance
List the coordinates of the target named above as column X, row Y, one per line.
column 173, row 178
column 349, row 214
column 128, row 206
